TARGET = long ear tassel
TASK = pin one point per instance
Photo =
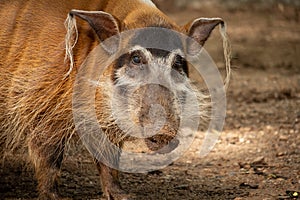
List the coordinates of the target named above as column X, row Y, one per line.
column 227, row 52
column 70, row 41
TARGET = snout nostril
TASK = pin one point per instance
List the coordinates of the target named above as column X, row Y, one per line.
column 153, row 140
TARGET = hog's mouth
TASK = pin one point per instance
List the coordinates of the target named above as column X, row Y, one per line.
column 162, row 144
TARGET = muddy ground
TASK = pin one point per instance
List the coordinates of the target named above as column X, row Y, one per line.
column 257, row 155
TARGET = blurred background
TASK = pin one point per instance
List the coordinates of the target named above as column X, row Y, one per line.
column 226, row 3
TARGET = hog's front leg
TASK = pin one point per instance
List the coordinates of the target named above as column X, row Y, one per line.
column 110, row 183
column 47, row 158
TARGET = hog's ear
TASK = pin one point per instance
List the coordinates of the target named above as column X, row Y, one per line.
column 104, row 25
column 200, row 30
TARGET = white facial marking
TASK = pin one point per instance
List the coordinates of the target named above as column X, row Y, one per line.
column 148, row 2
column 147, row 53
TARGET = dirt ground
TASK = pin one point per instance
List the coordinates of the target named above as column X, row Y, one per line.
column 257, row 155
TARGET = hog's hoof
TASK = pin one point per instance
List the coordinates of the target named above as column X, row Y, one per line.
column 51, row 196
column 118, row 195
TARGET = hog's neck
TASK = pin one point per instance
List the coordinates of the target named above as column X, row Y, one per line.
column 132, row 11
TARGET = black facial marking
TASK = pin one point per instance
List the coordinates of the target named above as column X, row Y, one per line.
column 120, row 62
column 180, row 64
column 158, row 52
column 157, row 38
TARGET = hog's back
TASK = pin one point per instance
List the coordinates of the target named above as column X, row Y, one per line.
column 34, row 96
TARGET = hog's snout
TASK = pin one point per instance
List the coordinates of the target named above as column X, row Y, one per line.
column 157, row 115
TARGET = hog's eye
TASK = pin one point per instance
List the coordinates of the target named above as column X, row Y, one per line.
column 136, row 59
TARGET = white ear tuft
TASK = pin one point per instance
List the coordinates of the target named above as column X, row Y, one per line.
column 227, row 52
column 70, row 41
